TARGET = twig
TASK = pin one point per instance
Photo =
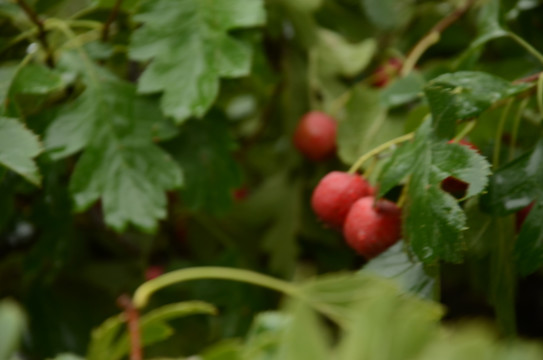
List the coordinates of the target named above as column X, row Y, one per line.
column 110, row 19
column 529, row 78
column 132, row 319
column 42, row 35
column 432, row 37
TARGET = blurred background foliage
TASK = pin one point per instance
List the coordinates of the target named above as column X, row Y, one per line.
column 217, row 181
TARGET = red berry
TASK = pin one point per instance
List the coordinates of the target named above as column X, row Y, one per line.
column 521, row 216
column 240, row 193
column 384, row 73
column 334, row 195
column 372, row 226
column 452, row 185
column 315, row 135
column 153, row 271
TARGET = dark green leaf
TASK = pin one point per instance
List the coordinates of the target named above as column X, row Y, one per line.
column 516, row 184
column 280, row 240
column 409, row 274
column 36, row 79
column 204, row 151
column 464, row 95
column 403, row 90
column 433, row 221
column 7, row 73
column 190, row 48
column 121, row 164
column 18, row 148
column 397, row 167
column 529, row 245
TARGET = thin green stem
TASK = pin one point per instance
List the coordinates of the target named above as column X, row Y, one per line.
column 378, row 150
column 419, row 49
column 516, row 123
column 526, row 46
column 540, row 93
column 464, row 132
column 144, row 291
column 437, row 284
column 499, row 133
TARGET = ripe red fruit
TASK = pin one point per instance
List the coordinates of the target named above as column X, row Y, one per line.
column 153, row 271
column 372, row 226
column 315, row 135
column 384, row 73
column 452, row 185
column 334, row 195
column 521, row 216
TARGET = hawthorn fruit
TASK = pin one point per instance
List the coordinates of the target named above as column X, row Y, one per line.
column 452, row 185
column 315, row 135
column 372, row 226
column 334, row 195
column 386, row 72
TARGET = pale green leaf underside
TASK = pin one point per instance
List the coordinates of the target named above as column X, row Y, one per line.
column 190, row 50
column 18, row 148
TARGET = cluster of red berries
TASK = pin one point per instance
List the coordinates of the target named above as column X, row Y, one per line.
column 346, row 201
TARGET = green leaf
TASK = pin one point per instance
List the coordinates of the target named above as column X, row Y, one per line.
column 397, row 167
column 386, row 326
column 529, row 245
column 103, row 338
column 36, row 79
column 18, row 148
column 304, row 337
column 516, row 184
column 403, row 90
column 365, row 125
column 68, row 357
column 120, row 164
column 409, row 274
column 190, row 49
column 489, row 25
column 464, row 95
column 12, row 324
column 223, row 350
column 264, row 335
column 7, row 73
column 280, row 240
column 388, row 14
column 347, row 59
column 433, row 220
column 204, row 151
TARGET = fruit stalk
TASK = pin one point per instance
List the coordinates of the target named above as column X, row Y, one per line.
column 378, row 150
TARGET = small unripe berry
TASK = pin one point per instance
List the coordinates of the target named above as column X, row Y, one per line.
column 334, row 195
column 372, row 226
column 386, row 72
column 315, row 135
